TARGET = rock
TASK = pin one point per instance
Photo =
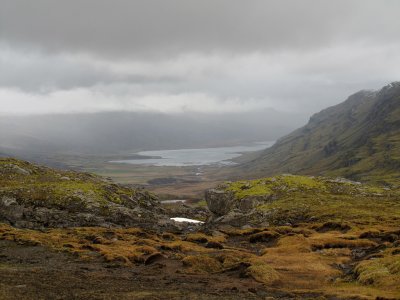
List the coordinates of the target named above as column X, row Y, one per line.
column 220, row 202
column 237, row 218
column 17, row 169
column 249, row 203
column 7, row 201
column 41, row 201
column 227, row 209
column 10, row 211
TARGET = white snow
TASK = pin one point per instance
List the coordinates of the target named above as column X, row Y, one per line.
column 187, row 220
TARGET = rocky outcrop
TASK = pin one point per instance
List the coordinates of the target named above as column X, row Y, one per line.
column 39, row 197
column 285, row 199
column 219, row 201
column 229, row 209
column 14, row 212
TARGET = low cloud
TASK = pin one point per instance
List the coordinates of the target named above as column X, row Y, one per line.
column 182, row 56
column 93, row 101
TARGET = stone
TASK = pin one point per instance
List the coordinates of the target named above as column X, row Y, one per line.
column 220, row 202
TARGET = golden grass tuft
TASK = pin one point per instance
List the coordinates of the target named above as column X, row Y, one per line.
column 262, row 272
column 200, row 264
column 382, row 272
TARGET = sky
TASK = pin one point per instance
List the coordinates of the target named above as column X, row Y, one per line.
column 180, row 56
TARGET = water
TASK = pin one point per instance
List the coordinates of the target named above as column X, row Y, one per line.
column 195, row 157
column 172, row 201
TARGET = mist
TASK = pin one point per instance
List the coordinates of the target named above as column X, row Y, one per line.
column 98, row 76
column 128, row 132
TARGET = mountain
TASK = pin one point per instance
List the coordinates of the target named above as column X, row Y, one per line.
column 119, row 132
column 358, row 139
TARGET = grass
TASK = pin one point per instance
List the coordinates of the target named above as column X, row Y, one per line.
column 339, row 237
column 382, row 271
column 262, row 272
column 301, row 259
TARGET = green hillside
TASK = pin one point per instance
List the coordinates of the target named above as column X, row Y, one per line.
column 357, row 139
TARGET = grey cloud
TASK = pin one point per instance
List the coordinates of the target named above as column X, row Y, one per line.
column 39, row 72
column 180, row 55
column 159, row 27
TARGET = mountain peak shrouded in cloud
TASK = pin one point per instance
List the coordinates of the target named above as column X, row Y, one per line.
column 183, row 56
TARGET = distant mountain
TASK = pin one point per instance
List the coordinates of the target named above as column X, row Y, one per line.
column 358, row 139
column 121, row 132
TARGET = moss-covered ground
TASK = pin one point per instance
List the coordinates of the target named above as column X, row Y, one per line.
column 327, row 259
column 292, row 197
column 327, row 238
column 41, row 186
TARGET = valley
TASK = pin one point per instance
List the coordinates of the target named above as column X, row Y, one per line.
column 199, row 150
column 232, row 224
column 184, row 173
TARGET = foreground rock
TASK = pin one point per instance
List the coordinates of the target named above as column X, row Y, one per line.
column 37, row 197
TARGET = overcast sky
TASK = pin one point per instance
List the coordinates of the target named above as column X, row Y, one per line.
column 200, row 56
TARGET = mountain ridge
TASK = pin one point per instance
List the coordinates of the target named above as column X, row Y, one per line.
column 357, row 139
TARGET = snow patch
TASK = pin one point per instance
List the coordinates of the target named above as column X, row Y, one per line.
column 187, row 220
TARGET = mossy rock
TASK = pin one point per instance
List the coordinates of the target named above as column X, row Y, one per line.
column 32, row 195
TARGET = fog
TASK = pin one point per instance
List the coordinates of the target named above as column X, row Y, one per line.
column 123, row 132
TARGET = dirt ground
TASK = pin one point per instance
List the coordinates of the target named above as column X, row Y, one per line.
column 34, row 272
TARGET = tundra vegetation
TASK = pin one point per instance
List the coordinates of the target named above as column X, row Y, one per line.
column 306, row 237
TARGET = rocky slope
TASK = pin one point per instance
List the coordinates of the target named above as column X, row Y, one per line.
column 357, row 139
column 293, row 199
column 37, row 197
column 286, row 237
column 70, row 235
column 339, row 234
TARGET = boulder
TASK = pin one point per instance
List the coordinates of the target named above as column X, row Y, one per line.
column 220, row 202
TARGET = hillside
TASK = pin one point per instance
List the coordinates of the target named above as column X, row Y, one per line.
column 37, row 197
column 317, row 233
column 357, row 139
column 71, row 235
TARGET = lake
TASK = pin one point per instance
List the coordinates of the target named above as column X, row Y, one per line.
column 195, row 157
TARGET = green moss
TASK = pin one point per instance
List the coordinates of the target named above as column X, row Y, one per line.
column 294, row 198
column 303, row 182
column 249, row 188
column 268, row 186
column 43, row 186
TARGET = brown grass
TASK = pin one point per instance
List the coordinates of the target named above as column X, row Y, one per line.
column 300, row 259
